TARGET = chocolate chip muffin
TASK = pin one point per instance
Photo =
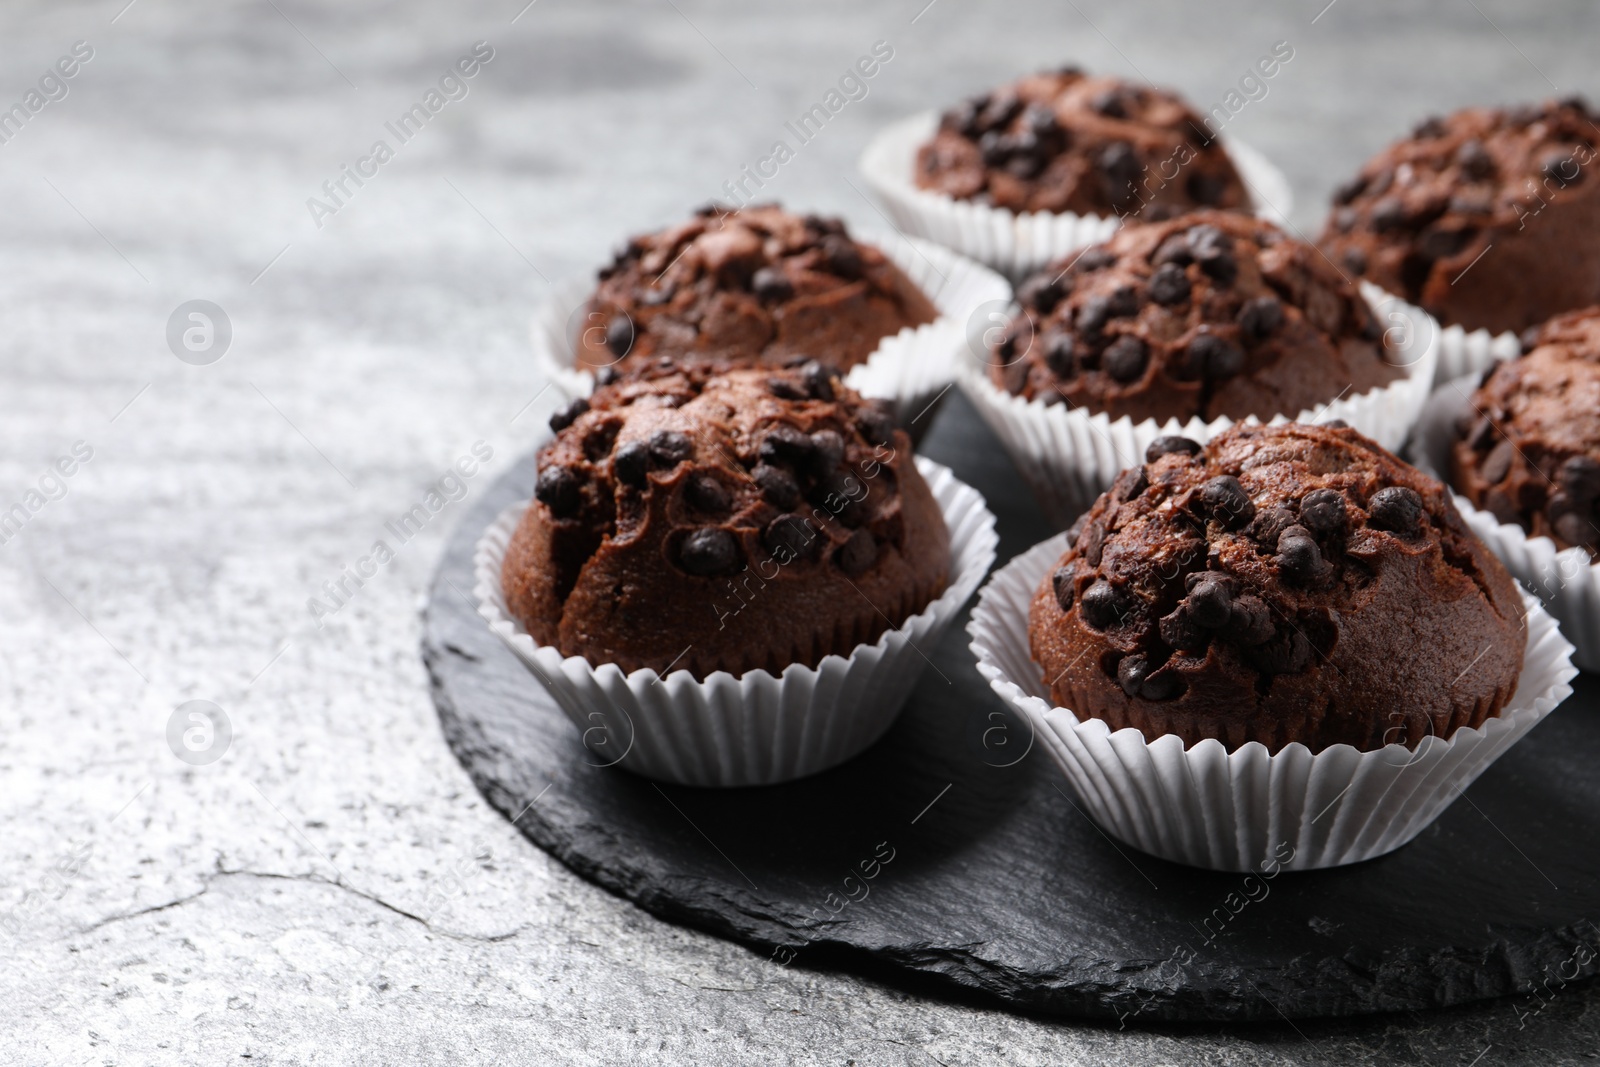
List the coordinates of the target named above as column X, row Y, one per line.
column 1065, row 141
column 1285, row 583
column 1527, row 447
column 754, row 287
column 1210, row 314
column 749, row 520
column 1420, row 214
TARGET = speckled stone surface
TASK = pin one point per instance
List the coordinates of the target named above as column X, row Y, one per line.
column 332, row 889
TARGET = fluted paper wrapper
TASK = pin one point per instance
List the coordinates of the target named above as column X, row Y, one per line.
column 1017, row 244
column 1069, row 456
column 912, row 368
column 758, row 728
column 1235, row 811
column 1564, row 580
column 1471, row 352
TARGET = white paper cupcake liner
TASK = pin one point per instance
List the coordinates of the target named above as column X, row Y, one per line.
column 1207, row 807
column 1463, row 352
column 758, row 728
column 912, row 368
column 1069, row 456
column 1563, row 580
column 1017, row 244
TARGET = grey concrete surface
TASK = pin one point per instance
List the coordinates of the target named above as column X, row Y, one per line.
column 331, row 889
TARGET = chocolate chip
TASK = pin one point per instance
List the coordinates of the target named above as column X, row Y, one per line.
column 825, row 225
column 827, row 451
column 857, row 555
column 1474, row 160
column 1167, row 445
column 559, row 490
column 790, row 537
column 605, row 376
column 655, row 296
column 1091, row 541
column 1322, row 512
column 842, row 494
column 1211, row 356
column 1213, row 250
column 876, row 426
column 668, row 448
column 1270, row 524
column 784, row 389
column 1354, row 260
column 1206, row 189
column 1428, row 129
column 708, row 551
column 1123, row 303
column 1139, row 679
column 844, row 259
column 1210, row 603
column 1226, row 501
column 1096, row 258
column 631, row 463
column 1441, row 244
column 785, row 444
column 1561, row 167
column 1126, row 359
column 706, row 492
column 1110, row 103
column 1061, row 583
column 619, row 335
column 1249, row 622
column 771, row 285
column 1181, row 631
column 777, row 486
column 1395, row 508
column 963, row 118
column 1169, row 285
column 1481, row 435
column 1286, row 653
column 1093, row 316
column 819, row 380
column 1130, row 484
column 1040, row 119
column 1388, row 214
column 999, row 110
column 1348, row 191
column 1120, row 164
column 1334, row 424
column 1260, row 318
column 1058, row 354
column 1103, row 605
column 1574, row 529
column 1174, row 249
column 994, row 148
column 1299, row 558
column 1528, row 339
column 1043, row 291
column 1498, row 463
column 569, row 414
column 1580, row 478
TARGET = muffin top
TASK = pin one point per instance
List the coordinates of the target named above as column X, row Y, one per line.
column 1209, row 314
column 1284, row 583
column 759, row 517
column 1528, row 446
column 757, row 286
column 1422, row 211
column 1065, row 141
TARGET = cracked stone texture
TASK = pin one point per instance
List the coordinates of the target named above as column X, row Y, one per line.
column 333, row 888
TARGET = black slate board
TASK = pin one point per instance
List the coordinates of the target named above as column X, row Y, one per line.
column 986, row 875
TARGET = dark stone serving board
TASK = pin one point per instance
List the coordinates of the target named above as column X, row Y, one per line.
column 986, row 876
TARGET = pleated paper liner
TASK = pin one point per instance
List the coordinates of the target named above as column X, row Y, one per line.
column 1236, row 811
column 912, row 368
column 761, row 727
column 1069, row 456
column 1564, row 580
column 1018, row 244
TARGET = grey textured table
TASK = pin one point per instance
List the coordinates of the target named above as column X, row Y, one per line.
column 332, row 889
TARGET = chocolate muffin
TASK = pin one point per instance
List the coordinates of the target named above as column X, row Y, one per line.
column 1527, row 448
column 753, row 519
column 1065, row 141
column 1419, row 215
column 1285, row 583
column 1209, row 314
column 754, row 287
